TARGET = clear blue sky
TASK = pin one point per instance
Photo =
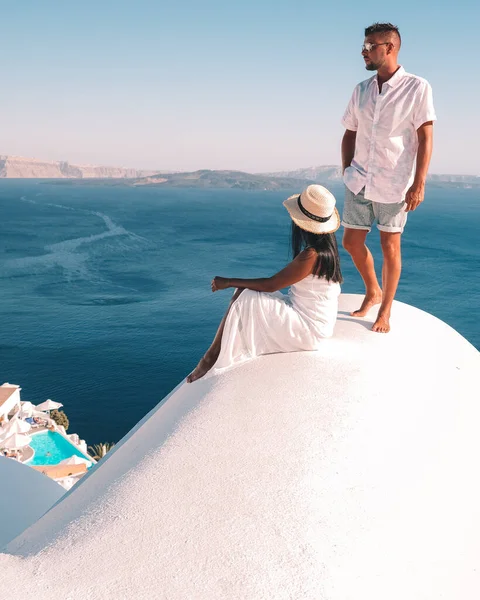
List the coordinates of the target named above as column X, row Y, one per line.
column 251, row 85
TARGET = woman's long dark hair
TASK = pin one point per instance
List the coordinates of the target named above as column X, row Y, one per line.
column 325, row 245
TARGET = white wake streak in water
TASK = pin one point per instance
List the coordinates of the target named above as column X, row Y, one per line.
column 67, row 254
column 73, row 244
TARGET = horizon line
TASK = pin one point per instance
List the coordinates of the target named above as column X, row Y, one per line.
column 173, row 171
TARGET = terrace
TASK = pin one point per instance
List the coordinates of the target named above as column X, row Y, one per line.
column 30, row 436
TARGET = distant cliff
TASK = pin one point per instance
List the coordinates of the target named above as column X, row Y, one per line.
column 466, row 181
column 23, row 168
column 63, row 172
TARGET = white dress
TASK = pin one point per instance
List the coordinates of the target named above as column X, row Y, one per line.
column 265, row 323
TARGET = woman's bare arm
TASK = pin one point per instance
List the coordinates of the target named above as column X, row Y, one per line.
column 298, row 269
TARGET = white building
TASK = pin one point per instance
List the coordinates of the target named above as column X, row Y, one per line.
column 9, row 399
column 350, row 473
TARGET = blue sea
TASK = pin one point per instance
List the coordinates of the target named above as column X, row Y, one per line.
column 105, row 300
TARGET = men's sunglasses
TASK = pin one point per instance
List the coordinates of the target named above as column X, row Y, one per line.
column 368, row 47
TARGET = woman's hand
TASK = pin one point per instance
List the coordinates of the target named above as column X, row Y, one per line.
column 219, row 283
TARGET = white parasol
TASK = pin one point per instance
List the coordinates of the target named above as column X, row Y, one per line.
column 48, row 405
column 75, row 460
column 26, row 409
column 15, row 426
column 16, row 440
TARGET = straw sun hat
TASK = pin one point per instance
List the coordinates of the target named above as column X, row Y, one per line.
column 314, row 210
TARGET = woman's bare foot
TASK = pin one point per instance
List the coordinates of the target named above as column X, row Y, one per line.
column 382, row 324
column 369, row 301
column 203, row 367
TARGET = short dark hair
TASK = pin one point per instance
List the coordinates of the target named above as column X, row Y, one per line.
column 383, row 28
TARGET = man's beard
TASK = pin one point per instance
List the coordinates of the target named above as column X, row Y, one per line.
column 372, row 66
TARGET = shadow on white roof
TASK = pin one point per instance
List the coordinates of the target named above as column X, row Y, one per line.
column 25, row 495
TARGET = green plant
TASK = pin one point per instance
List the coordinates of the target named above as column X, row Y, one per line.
column 98, row 451
column 60, row 418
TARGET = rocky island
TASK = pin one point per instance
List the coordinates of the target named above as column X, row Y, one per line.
column 222, row 179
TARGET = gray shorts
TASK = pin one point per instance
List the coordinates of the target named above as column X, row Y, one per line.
column 359, row 213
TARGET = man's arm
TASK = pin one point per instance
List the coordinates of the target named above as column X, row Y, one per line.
column 416, row 193
column 348, row 148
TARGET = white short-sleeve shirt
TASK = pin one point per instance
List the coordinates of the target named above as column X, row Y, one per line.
column 386, row 144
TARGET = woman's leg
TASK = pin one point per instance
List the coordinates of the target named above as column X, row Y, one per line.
column 211, row 355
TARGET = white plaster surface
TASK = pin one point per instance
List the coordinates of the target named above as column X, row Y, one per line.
column 25, row 495
column 350, row 473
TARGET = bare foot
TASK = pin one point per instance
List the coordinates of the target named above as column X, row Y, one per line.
column 382, row 324
column 201, row 369
column 369, row 301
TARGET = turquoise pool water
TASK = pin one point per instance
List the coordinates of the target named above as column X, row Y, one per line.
column 50, row 448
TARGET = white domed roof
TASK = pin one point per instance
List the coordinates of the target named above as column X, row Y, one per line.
column 347, row 473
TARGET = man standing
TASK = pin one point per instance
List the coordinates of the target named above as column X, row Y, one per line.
column 389, row 126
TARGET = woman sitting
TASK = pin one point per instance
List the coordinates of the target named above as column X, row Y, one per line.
column 260, row 319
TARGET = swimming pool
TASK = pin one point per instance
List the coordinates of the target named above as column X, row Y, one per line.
column 50, row 448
